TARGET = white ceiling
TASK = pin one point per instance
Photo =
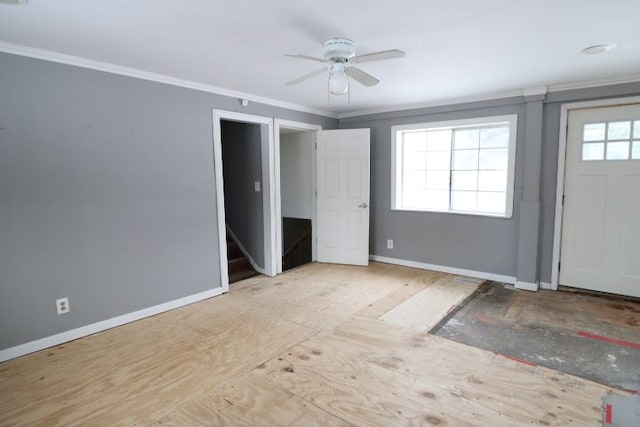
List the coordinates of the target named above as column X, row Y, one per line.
column 455, row 49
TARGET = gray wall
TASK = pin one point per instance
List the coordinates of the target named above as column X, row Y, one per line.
column 295, row 174
column 521, row 246
column 242, row 159
column 107, row 194
column 437, row 238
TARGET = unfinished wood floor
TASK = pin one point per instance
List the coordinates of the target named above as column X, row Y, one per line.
column 320, row 345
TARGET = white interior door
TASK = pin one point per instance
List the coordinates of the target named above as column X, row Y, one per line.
column 600, row 247
column 343, row 196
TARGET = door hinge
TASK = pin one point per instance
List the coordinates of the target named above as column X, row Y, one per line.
column 563, row 199
column 316, row 193
column 559, row 265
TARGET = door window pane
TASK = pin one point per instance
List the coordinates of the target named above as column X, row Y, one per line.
column 593, row 132
column 594, row 151
column 619, row 130
column 618, row 150
column 636, row 129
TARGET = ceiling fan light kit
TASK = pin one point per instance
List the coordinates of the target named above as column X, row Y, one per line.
column 338, row 79
column 340, row 55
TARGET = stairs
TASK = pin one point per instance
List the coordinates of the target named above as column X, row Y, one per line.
column 296, row 241
column 239, row 266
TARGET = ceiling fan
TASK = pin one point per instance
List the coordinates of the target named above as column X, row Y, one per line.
column 339, row 56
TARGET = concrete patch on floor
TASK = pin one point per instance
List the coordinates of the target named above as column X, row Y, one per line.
column 427, row 308
column 551, row 329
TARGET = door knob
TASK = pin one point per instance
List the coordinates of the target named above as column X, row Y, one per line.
column 362, row 205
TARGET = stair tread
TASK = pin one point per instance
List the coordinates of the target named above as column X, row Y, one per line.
column 241, row 275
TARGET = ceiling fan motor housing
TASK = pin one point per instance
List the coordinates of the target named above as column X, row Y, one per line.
column 339, row 49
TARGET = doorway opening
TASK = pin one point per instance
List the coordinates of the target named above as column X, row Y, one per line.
column 242, row 175
column 243, row 162
column 295, row 183
column 297, row 193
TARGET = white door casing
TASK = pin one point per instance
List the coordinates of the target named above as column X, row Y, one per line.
column 600, row 246
column 278, row 125
column 268, row 184
column 343, row 185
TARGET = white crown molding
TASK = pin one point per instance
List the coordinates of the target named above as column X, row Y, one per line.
column 52, row 56
column 441, row 103
column 593, row 83
column 532, row 91
column 77, row 61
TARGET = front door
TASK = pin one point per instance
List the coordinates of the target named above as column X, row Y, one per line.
column 600, row 247
column 343, row 196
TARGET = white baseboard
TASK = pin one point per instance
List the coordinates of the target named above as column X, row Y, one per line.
column 546, row 285
column 526, row 286
column 246, row 253
column 83, row 331
column 445, row 269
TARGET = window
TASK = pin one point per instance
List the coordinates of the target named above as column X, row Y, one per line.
column 611, row 140
column 461, row 166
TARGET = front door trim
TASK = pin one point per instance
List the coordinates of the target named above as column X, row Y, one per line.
column 562, row 148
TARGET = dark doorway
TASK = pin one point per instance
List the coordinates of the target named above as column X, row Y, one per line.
column 296, row 242
column 243, row 198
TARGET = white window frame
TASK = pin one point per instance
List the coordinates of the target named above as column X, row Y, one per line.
column 512, row 119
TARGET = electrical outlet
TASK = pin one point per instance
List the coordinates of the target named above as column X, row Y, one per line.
column 389, row 244
column 62, row 305
column 256, row 186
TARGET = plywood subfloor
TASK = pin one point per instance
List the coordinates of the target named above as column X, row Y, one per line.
column 306, row 348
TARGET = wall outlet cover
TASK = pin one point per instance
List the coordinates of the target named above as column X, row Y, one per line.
column 62, row 305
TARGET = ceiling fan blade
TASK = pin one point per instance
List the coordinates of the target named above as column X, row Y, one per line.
column 378, row 56
column 305, row 77
column 311, row 58
column 361, row 77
